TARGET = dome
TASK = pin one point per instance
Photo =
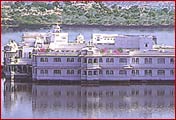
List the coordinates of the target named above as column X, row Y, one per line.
column 80, row 36
column 56, row 29
column 80, row 39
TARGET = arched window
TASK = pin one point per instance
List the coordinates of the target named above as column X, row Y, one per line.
column 107, row 59
column 89, row 72
column 30, row 55
column 137, row 60
column 20, row 53
column 122, row 72
column 90, row 60
column 146, row 45
column 107, row 72
column 146, row 60
column 72, row 59
column 111, row 72
column 72, row 71
column 79, row 59
column 95, row 72
column 112, row 60
column 100, row 60
column 79, row 71
column 85, row 60
column 95, row 60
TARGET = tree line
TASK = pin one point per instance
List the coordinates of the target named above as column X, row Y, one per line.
column 96, row 13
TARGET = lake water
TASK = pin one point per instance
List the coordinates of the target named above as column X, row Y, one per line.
column 75, row 101
column 164, row 35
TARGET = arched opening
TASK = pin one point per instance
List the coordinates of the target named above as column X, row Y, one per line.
column 30, row 55
column 20, row 53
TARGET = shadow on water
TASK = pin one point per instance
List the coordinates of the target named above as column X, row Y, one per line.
column 76, row 101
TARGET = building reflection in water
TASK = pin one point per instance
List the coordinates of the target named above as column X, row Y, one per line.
column 120, row 101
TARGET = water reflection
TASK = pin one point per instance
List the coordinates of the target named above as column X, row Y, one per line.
column 65, row 101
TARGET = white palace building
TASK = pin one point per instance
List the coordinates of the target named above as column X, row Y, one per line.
column 106, row 57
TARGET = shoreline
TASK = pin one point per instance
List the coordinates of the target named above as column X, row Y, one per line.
column 47, row 26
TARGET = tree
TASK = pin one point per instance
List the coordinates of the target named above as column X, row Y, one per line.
column 49, row 6
column 56, row 4
column 19, row 4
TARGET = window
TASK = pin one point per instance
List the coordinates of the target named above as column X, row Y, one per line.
column 79, row 59
column 161, row 60
column 100, row 72
column 46, row 71
column 43, row 59
column 123, row 60
column 57, row 59
column 57, row 71
column 43, row 71
column 161, row 72
column 90, row 61
column 122, row 72
column 35, row 71
column 79, row 71
column 148, row 60
column 30, row 55
column 98, row 39
column 46, row 59
column 72, row 59
column 70, row 71
column 171, row 72
column 85, row 60
column 146, row 45
column 95, row 72
column 112, row 60
column 100, row 60
column 135, row 72
column 107, row 72
column 172, row 61
column 20, row 53
column 85, row 73
column 89, row 72
column 109, row 59
column 111, row 72
column 148, row 72
column 95, row 61
column 135, row 60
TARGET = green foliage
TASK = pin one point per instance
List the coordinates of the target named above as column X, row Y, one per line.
column 101, row 14
column 96, row 14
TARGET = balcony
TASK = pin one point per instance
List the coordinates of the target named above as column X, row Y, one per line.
column 90, row 65
column 127, row 67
